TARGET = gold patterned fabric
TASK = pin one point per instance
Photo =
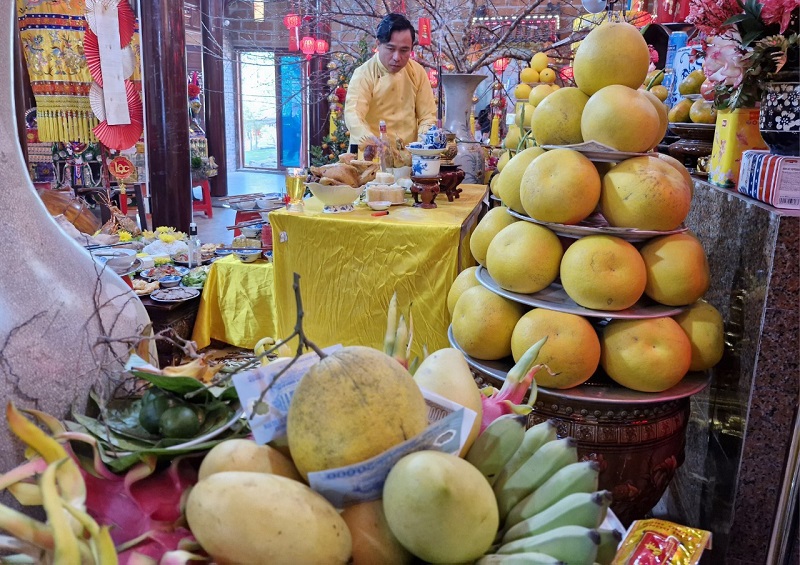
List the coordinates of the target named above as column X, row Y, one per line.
column 51, row 33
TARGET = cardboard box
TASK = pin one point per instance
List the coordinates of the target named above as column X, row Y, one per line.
column 774, row 179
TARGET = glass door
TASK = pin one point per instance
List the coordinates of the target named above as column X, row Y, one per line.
column 270, row 109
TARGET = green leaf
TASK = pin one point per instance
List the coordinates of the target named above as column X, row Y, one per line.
column 177, row 385
column 736, row 19
column 751, row 36
column 109, row 437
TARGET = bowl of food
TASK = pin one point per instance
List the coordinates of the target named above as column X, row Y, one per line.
column 380, row 205
column 336, row 198
column 251, row 231
column 119, row 259
column 169, row 281
column 248, row 256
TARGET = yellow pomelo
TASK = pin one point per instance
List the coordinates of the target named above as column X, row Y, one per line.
column 561, row 186
column 492, row 185
column 508, row 185
column 678, row 166
column 522, row 91
column 539, row 93
column 557, row 119
column 677, row 269
column 513, row 135
column 502, row 161
column 645, row 193
column 465, row 279
column 539, row 62
column 662, row 111
column 529, row 75
column 612, row 53
column 495, row 220
column 524, row 257
column 483, row 323
column 648, row 355
column 523, row 115
column 364, row 380
column 620, row 117
column 603, row 272
column 705, row 329
column 555, row 87
column 547, row 76
column 572, row 349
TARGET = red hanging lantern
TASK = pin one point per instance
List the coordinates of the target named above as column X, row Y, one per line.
column 321, row 47
column 308, row 45
column 424, row 26
column 567, row 74
column 500, row 65
column 291, row 21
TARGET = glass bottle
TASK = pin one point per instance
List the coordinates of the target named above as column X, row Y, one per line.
column 194, row 258
column 384, row 146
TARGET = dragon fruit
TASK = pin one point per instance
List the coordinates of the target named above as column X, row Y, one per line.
column 139, row 512
column 508, row 400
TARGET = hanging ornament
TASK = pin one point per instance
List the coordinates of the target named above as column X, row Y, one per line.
column 474, row 99
column 332, row 97
column 341, row 94
column 497, row 85
column 332, row 82
column 331, row 65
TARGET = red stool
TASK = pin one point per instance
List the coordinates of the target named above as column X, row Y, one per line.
column 203, row 205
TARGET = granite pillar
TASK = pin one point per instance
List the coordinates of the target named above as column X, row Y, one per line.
column 741, row 426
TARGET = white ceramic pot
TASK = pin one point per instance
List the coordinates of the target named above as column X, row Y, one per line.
column 422, row 167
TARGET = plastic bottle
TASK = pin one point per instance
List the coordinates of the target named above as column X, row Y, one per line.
column 384, row 146
column 194, row 247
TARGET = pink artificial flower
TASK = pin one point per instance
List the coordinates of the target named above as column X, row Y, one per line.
column 778, row 11
column 709, row 16
column 724, row 63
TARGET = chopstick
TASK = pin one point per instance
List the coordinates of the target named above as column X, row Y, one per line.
column 242, row 249
column 93, row 247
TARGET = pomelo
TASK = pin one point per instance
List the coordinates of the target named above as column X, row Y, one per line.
column 495, row 220
column 523, row 115
column 539, row 93
column 508, row 185
column 547, row 76
column 662, row 111
column 572, row 349
column 522, row 91
column 678, row 166
column 483, row 323
column 603, row 272
column 677, row 269
column 465, row 279
column 540, row 61
column 503, row 160
column 557, row 119
column 384, row 407
column 620, row 117
column 529, row 75
column 704, row 327
column 561, row 186
column 645, row 193
column 649, row 355
column 524, row 257
column 612, row 53
column 512, row 138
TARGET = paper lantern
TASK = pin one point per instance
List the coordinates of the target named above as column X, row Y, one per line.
column 424, row 28
column 567, row 73
column 291, row 21
column 308, row 45
column 500, row 65
column 321, row 46
column 433, row 77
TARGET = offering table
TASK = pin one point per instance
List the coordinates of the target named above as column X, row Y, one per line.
column 237, row 305
column 350, row 264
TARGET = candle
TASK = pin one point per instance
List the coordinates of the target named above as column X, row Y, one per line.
column 472, row 123
column 332, row 128
column 439, row 106
column 494, row 135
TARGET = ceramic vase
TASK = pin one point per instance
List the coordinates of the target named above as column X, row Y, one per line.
column 735, row 132
column 780, row 117
column 458, row 92
column 60, row 312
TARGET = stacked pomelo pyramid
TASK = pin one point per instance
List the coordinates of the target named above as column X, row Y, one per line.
column 649, row 194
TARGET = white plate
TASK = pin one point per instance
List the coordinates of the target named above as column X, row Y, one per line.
column 596, row 224
column 425, row 152
column 146, row 273
column 605, row 393
column 163, row 294
column 595, row 151
column 555, row 298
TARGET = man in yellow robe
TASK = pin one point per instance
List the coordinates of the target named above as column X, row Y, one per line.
column 390, row 87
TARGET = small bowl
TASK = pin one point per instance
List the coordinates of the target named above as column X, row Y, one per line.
column 340, row 195
column 119, row 259
column 245, row 205
column 248, row 256
column 170, row 281
column 380, row 205
column 422, row 167
column 251, row 231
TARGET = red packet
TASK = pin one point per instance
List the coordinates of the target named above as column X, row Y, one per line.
column 659, row 542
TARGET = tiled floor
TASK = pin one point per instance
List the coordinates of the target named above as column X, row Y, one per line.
column 239, row 182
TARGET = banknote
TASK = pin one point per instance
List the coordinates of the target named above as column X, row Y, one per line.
column 267, row 416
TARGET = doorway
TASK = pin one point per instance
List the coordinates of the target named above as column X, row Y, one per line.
column 269, row 108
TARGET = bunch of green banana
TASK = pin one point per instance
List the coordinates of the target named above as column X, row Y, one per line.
column 550, row 508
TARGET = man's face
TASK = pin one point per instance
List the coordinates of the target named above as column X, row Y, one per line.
column 394, row 55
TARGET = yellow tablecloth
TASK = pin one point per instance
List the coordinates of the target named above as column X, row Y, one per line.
column 238, row 303
column 350, row 264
